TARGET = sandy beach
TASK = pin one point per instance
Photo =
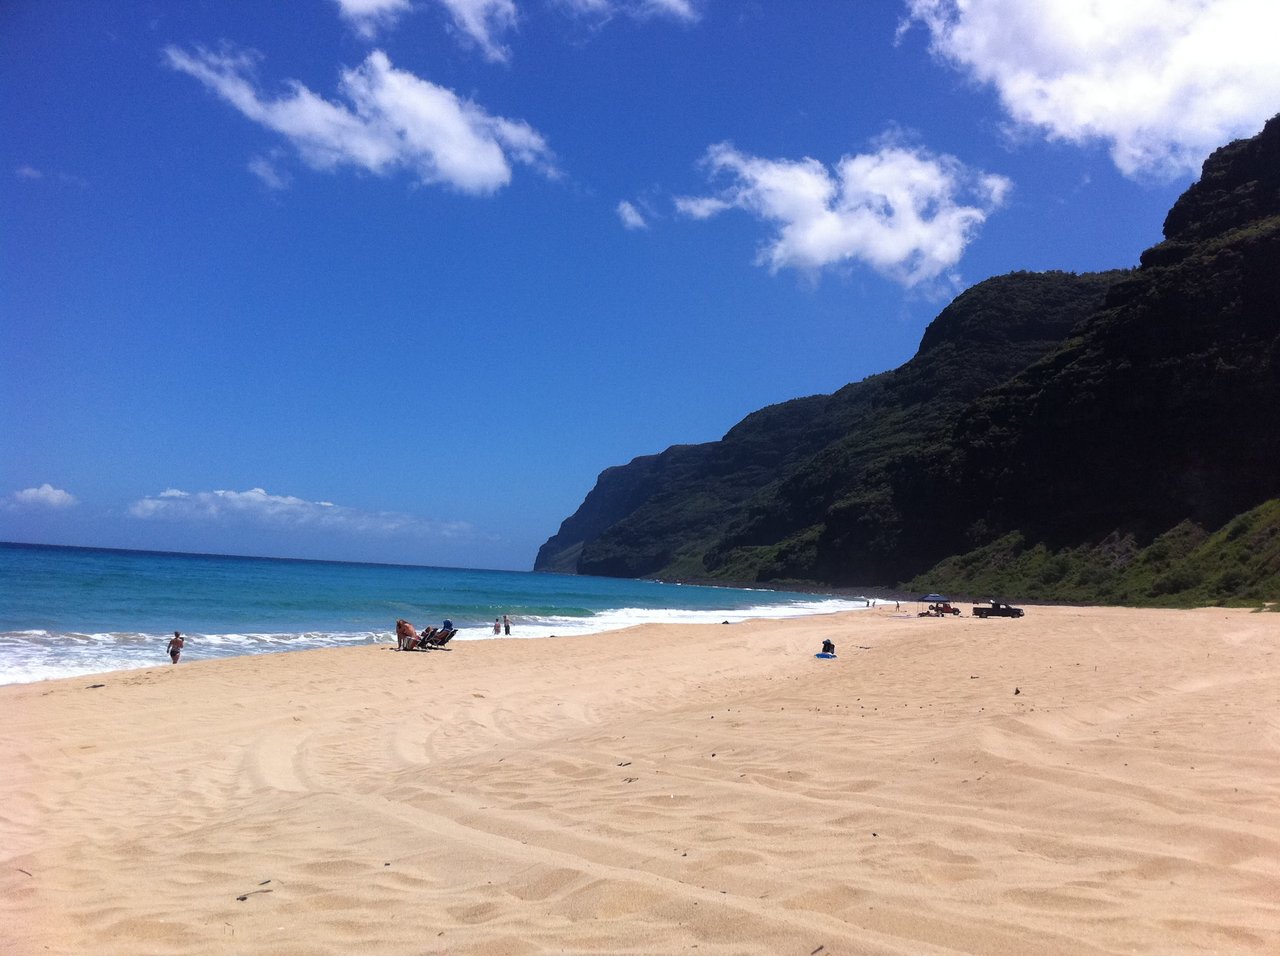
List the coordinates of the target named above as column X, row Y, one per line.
column 1077, row 781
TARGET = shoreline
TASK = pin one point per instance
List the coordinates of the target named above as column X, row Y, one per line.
column 29, row 656
column 1079, row 780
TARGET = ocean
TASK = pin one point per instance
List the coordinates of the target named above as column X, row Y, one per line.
column 70, row 611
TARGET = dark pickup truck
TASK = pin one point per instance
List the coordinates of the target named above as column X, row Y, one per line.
column 996, row 609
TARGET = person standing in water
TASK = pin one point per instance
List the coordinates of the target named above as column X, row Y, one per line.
column 497, row 626
column 175, row 646
column 506, row 625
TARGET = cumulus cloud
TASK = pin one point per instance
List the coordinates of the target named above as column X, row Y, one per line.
column 1163, row 82
column 631, row 217
column 257, row 507
column 367, row 17
column 392, row 120
column 46, row 496
column 903, row 211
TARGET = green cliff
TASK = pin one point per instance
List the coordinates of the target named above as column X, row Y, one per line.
column 1051, row 430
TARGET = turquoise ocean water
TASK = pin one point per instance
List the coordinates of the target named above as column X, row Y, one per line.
column 68, row 611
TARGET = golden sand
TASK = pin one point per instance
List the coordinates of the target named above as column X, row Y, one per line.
column 1077, row 781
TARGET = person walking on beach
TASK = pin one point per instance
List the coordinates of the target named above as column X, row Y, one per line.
column 506, row 625
column 175, row 646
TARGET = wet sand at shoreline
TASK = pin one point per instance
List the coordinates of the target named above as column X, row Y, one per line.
column 1078, row 781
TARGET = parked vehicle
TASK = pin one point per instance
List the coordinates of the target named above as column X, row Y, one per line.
column 997, row 609
column 939, row 606
column 939, row 610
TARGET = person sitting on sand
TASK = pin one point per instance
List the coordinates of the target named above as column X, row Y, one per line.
column 828, row 647
column 406, row 636
column 175, row 646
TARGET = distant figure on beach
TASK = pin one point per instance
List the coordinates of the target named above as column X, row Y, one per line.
column 506, row 625
column 406, row 636
column 828, row 647
column 175, row 646
column 497, row 626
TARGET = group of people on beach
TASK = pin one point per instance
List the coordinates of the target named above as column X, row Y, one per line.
column 408, row 638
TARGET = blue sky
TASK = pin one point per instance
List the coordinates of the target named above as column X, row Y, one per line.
column 394, row 280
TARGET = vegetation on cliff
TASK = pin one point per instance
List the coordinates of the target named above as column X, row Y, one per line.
column 1238, row 565
column 1100, row 437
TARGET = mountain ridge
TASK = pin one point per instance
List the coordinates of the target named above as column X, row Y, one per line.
column 1066, row 410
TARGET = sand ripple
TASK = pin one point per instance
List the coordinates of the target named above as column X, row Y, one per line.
column 665, row 789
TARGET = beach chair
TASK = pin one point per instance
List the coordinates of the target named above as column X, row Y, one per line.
column 438, row 639
column 421, row 643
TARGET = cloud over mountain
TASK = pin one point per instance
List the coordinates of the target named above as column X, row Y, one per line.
column 904, row 211
column 1162, row 82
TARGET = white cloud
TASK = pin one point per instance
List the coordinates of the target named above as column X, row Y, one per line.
column 46, row 496
column 685, row 10
column 680, row 9
column 32, row 174
column 367, row 17
column 266, row 169
column 257, row 507
column 1163, row 82
column 483, row 21
column 395, row 120
column 902, row 211
column 631, row 217
column 701, row 207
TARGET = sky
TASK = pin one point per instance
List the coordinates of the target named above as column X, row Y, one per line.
column 395, row 280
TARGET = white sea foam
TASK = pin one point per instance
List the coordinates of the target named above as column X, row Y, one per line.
column 35, row 655
column 620, row 618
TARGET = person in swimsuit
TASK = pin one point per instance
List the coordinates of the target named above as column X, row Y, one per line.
column 175, row 646
column 406, row 636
